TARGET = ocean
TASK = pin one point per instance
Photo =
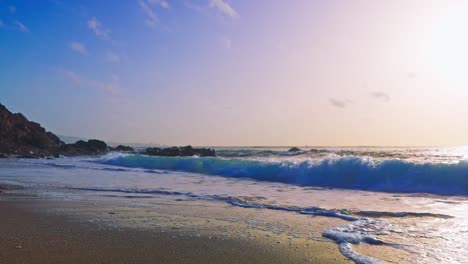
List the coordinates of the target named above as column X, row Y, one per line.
column 409, row 199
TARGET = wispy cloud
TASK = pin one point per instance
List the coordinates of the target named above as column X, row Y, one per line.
column 12, row 9
column 103, row 86
column 112, row 57
column 161, row 3
column 79, row 47
column 99, row 30
column 380, row 96
column 151, row 19
column 223, row 7
column 21, row 26
column 106, row 87
column 191, row 5
column 1, row 23
column 71, row 75
column 339, row 103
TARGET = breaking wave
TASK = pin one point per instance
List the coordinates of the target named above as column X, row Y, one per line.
column 349, row 172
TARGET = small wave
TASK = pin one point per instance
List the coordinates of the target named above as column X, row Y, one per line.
column 400, row 214
column 137, row 191
column 360, row 229
column 348, row 172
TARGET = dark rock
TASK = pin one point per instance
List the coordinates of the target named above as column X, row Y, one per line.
column 152, row 151
column 318, row 151
column 122, row 148
column 82, row 148
column 20, row 137
column 170, row 152
column 294, row 149
column 181, row 151
column 205, row 152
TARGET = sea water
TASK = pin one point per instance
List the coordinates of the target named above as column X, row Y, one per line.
column 375, row 190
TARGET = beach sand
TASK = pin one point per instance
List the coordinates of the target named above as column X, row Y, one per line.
column 37, row 230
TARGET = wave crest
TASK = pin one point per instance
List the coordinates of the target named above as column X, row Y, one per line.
column 350, row 172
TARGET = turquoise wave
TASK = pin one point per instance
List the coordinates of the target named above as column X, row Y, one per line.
column 350, row 172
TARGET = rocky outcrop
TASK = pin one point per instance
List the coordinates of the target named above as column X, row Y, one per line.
column 20, row 137
column 82, row 148
column 294, row 149
column 181, row 151
column 122, row 148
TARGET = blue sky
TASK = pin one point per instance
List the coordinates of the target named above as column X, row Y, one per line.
column 237, row 72
column 83, row 61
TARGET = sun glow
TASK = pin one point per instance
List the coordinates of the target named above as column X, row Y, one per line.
column 449, row 43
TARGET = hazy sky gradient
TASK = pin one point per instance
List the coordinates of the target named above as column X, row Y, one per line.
column 240, row 72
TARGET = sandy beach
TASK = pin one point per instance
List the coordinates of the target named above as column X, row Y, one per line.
column 34, row 230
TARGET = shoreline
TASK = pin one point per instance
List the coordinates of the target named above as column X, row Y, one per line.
column 37, row 230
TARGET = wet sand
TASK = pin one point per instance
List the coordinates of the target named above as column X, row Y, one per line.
column 34, row 230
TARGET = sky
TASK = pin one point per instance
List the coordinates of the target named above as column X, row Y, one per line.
column 240, row 72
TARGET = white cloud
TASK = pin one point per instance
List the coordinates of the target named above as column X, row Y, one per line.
column 193, row 6
column 21, row 26
column 1, row 23
column 71, row 75
column 110, row 88
column 151, row 18
column 99, row 30
column 79, row 47
column 161, row 3
column 112, row 57
column 12, row 9
column 103, row 86
column 224, row 8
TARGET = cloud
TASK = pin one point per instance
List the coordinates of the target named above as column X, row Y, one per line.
column 103, row 86
column 12, row 9
column 112, row 57
column 99, row 30
column 79, row 47
column 1, row 23
column 71, row 75
column 161, row 3
column 151, row 19
column 22, row 27
column 339, row 103
column 193, row 6
column 110, row 88
column 380, row 96
column 223, row 7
